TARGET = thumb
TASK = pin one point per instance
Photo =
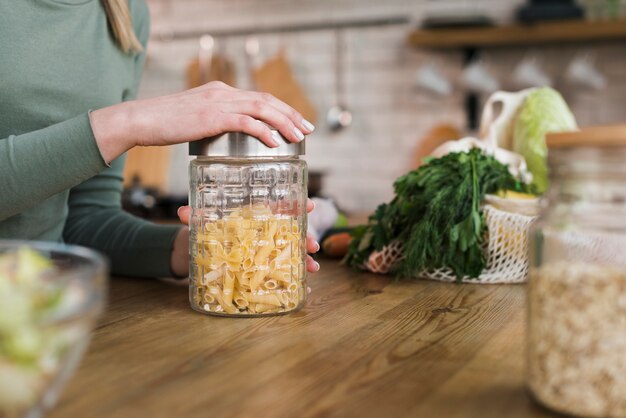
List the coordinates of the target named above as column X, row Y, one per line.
column 184, row 213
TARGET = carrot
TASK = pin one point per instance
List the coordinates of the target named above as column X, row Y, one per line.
column 336, row 245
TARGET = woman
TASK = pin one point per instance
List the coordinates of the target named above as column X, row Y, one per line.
column 61, row 161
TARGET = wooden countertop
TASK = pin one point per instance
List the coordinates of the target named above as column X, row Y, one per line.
column 364, row 346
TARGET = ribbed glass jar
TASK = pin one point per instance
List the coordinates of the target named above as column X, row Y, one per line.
column 577, row 286
column 248, row 230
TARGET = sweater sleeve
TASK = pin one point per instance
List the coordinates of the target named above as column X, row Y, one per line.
column 39, row 162
column 96, row 219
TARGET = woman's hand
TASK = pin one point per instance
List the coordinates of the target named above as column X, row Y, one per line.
column 194, row 114
column 180, row 253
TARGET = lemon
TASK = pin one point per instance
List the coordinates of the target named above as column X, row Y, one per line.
column 510, row 194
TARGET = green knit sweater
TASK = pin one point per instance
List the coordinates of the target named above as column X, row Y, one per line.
column 58, row 60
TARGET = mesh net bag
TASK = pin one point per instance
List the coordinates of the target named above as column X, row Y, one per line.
column 506, row 250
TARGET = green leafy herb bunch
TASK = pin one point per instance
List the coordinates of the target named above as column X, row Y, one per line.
column 436, row 214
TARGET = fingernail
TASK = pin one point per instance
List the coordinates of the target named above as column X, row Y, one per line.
column 299, row 134
column 308, row 289
column 178, row 211
column 276, row 138
column 317, row 266
column 308, row 125
column 317, row 246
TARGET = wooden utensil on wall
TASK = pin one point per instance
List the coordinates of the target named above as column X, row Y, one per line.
column 221, row 69
column 277, row 78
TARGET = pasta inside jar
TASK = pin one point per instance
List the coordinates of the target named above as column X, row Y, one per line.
column 251, row 262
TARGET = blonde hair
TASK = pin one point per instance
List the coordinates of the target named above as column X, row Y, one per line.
column 121, row 23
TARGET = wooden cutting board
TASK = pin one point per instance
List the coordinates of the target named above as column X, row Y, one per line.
column 439, row 134
column 150, row 164
column 277, row 78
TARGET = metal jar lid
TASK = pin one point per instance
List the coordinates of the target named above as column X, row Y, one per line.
column 238, row 144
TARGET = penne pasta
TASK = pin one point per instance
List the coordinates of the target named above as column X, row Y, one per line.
column 270, row 284
column 229, row 287
column 208, row 298
column 262, row 255
column 274, row 253
column 280, row 276
column 256, row 279
column 283, row 297
column 284, row 255
column 227, row 307
column 249, row 262
column 241, row 300
column 211, row 276
column 261, row 308
column 264, row 299
column 197, row 296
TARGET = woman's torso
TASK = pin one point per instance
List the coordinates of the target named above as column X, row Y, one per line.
column 57, row 60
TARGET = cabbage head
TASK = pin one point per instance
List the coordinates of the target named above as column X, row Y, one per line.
column 543, row 111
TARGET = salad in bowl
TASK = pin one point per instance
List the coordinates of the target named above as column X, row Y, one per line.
column 50, row 298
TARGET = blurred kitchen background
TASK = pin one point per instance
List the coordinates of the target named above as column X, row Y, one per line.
column 406, row 85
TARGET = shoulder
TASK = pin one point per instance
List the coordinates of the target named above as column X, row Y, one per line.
column 141, row 19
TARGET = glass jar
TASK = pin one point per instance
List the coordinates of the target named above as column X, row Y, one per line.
column 248, row 226
column 577, row 287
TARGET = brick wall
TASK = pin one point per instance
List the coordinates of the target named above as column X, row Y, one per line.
column 390, row 115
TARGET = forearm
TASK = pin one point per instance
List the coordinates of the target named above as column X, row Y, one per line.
column 96, row 219
column 135, row 247
column 40, row 164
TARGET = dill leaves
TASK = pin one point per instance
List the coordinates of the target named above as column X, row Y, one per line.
column 436, row 214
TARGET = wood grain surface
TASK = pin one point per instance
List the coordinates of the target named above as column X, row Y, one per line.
column 364, row 346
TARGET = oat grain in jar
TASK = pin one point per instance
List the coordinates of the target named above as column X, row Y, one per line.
column 248, row 226
column 577, row 287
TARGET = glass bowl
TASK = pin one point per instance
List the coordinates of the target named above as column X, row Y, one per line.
column 51, row 296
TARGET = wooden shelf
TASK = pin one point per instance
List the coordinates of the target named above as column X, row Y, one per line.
column 553, row 32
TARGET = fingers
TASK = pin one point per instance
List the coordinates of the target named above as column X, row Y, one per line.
column 312, row 266
column 247, row 124
column 310, row 205
column 227, row 93
column 311, row 245
column 267, row 113
column 184, row 213
column 295, row 116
